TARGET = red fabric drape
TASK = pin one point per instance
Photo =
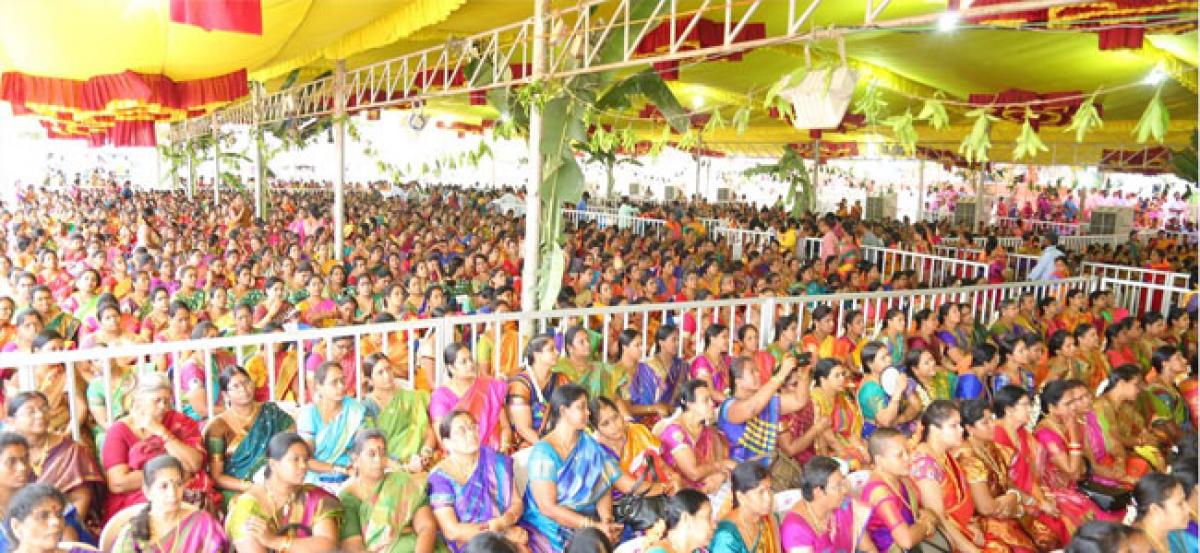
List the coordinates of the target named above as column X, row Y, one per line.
column 238, row 16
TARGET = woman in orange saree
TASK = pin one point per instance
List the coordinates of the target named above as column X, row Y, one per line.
column 748, row 342
column 940, row 480
column 1000, row 508
column 1087, row 338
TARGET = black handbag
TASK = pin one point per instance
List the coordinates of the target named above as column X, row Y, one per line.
column 1108, row 498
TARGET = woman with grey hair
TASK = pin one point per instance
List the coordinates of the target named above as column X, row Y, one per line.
column 152, row 428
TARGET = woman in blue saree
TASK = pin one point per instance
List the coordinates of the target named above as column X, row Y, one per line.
column 236, row 440
column 471, row 490
column 328, row 426
column 570, row 477
column 658, row 378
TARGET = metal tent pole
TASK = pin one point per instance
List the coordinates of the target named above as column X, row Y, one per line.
column 921, row 190
column 216, row 133
column 339, row 138
column 260, row 168
column 533, row 200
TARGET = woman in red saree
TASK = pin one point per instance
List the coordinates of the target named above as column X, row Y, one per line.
column 1012, row 407
column 480, row 395
column 151, row 429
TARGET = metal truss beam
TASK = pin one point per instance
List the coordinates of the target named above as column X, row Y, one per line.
column 499, row 58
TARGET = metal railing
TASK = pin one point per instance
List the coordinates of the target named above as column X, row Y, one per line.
column 400, row 341
column 1125, row 272
column 741, row 239
column 642, row 226
column 932, row 270
column 1075, row 243
column 1018, row 264
column 1038, row 226
column 1143, row 297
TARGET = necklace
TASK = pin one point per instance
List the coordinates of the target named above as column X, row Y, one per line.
column 815, row 522
column 276, row 511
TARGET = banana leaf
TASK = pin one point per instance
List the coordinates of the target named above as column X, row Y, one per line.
column 1154, row 121
column 647, row 84
column 1029, row 144
column 1085, row 120
column 906, row 134
column 935, row 112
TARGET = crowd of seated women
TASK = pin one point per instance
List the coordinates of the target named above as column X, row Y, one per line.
column 960, row 429
column 1035, row 433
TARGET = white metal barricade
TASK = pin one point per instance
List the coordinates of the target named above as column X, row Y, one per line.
column 1008, row 242
column 1143, row 297
column 1136, row 274
column 1040, row 227
column 1076, row 243
column 280, row 353
column 643, row 226
column 1018, row 264
column 932, row 270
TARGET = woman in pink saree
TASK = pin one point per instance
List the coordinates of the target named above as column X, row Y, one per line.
column 182, row 527
column 478, row 394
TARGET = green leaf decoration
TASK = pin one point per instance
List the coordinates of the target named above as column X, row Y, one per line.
column 741, row 120
column 657, row 144
column 902, row 128
column 871, row 104
column 1029, row 144
column 1086, row 119
column 628, row 139
column 651, row 86
column 976, row 144
column 786, row 110
column 715, row 121
column 688, row 141
column 1154, row 121
column 934, row 112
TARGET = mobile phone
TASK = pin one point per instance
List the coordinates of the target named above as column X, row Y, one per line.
column 804, row 359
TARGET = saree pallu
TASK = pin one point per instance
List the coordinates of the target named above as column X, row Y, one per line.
column 1189, row 389
column 958, row 340
column 69, row 466
column 704, row 369
column 1160, row 402
column 845, row 420
column 581, row 480
column 824, row 348
column 653, row 383
column 1100, row 439
column 487, row 494
column 385, row 520
column 888, row 509
column 641, row 456
column 521, row 386
column 53, row 385
column 484, row 400
column 1074, row 507
column 319, row 505
column 64, row 324
column 250, row 452
column 948, row 475
column 708, row 447
column 728, row 539
column 871, row 400
column 1002, row 534
column 1021, row 473
column 403, row 421
column 604, row 380
column 199, row 532
column 331, row 441
column 286, row 372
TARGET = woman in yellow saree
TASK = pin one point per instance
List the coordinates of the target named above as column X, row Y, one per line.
column 820, row 339
column 843, row 437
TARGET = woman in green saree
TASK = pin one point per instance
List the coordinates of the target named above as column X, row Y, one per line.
column 236, row 439
column 384, row 512
column 400, row 414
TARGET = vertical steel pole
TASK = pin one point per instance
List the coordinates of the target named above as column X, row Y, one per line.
column 216, row 132
column 260, row 168
column 921, row 190
column 339, row 138
column 533, row 200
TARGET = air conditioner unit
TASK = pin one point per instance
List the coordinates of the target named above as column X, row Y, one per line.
column 671, row 193
column 1111, row 220
column 964, row 213
column 821, row 99
column 881, row 208
column 724, row 195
